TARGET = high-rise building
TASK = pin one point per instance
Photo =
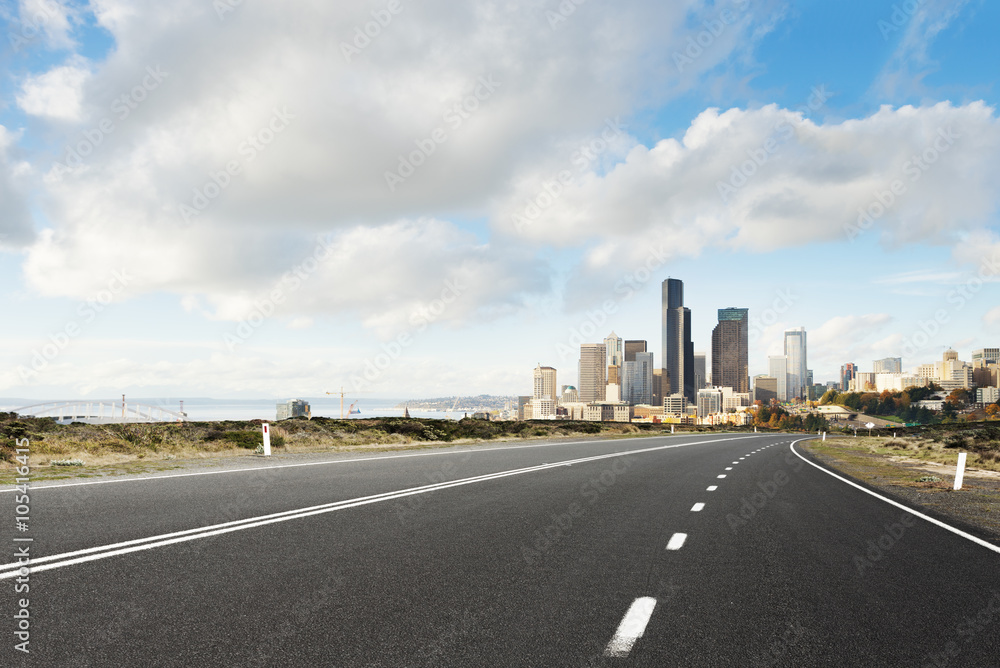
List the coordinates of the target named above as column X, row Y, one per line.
column 638, row 386
column 765, row 389
column 888, row 365
column 847, row 373
column 616, row 355
column 778, row 368
column 593, row 372
column 796, row 354
column 678, row 350
column 709, row 402
column 700, row 375
column 731, row 350
column 657, row 387
column 545, row 383
column 633, row 347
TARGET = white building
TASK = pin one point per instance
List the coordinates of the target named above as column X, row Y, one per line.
column 778, row 368
column 988, row 395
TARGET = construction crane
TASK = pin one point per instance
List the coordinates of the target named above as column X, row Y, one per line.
column 342, row 393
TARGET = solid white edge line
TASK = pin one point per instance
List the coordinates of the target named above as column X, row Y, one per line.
column 677, row 541
column 343, row 461
column 140, row 544
column 958, row 532
column 632, row 626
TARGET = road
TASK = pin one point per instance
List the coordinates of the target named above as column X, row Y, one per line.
column 676, row 551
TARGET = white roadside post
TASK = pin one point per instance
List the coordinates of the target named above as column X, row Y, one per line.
column 824, row 436
column 671, row 429
column 960, row 470
column 267, row 440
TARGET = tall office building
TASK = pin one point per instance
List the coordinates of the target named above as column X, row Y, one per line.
column 545, row 383
column 888, row 365
column 638, row 386
column 616, row 355
column 731, row 350
column 700, row 376
column 633, row 347
column 765, row 389
column 593, row 372
column 678, row 350
column 848, row 372
column 778, row 368
column 796, row 354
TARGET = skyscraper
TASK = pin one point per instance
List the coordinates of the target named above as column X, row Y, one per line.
column 700, row 375
column 848, row 372
column 678, row 350
column 545, row 383
column 731, row 350
column 593, row 371
column 616, row 354
column 638, row 386
column 888, row 365
column 778, row 368
column 796, row 354
column 633, row 347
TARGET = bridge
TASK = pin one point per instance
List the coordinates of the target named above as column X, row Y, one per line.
column 101, row 412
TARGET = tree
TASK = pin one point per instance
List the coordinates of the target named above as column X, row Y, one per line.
column 830, row 396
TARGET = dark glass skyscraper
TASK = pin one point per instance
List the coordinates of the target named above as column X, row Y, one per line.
column 731, row 350
column 678, row 349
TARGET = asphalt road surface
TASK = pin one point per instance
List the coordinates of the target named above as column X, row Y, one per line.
column 677, row 551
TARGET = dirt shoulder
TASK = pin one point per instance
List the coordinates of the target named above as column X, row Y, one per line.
column 920, row 474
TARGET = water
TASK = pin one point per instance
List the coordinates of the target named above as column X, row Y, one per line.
column 204, row 410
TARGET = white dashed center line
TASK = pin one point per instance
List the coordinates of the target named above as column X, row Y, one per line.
column 632, row 627
column 677, row 541
column 722, row 476
column 697, row 508
column 729, row 468
column 712, row 488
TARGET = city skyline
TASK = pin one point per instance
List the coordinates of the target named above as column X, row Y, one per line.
column 393, row 220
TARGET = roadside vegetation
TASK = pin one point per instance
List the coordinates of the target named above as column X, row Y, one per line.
column 902, row 406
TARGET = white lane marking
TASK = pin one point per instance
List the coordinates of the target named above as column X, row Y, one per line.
column 632, row 627
column 104, row 551
column 948, row 527
column 712, row 488
column 729, row 468
column 341, row 461
column 735, row 462
column 677, row 541
column 721, row 476
column 697, row 508
column 742, row 458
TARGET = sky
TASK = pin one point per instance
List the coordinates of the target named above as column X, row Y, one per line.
column 274, row 199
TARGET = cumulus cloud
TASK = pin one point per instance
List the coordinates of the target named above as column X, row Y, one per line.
column 762, row 179
column 57, row 94
column 208, row 143
column 52, row 18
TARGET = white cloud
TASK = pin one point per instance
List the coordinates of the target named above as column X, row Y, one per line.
column 53, row 18
column 56, row 94
column 16, row 227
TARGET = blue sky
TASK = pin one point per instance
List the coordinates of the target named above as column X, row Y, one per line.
column 469, row 272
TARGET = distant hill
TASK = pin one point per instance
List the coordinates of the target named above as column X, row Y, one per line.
column 482, row 402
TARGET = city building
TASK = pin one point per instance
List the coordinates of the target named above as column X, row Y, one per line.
column 700, row 372
column 709, row 402
column 638, row 379
column 593, row 372
column 889, row 365
column 796, row 354
column 569, row 395
column 294, row 408
column 847, row 374
column 988, row 395
column 657, row 387
column 986, row 356
column 633, row 347
column 616, row 353
column 545, row 383
column 897, row 382
column 731, row 350
column 864, row 381
column 524, row 408
column 777, row 367
column 678, row 350
column 765, row 389
column 675, row 404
